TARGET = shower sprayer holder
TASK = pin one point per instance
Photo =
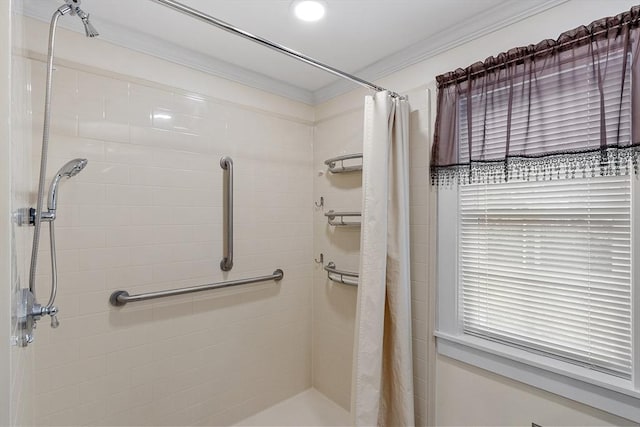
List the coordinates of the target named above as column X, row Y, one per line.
column 44, row 216
column 27, row 216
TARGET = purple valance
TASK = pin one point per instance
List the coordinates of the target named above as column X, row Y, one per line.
column 561, row 108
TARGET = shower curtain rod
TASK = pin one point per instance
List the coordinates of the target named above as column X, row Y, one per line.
column 194, row 13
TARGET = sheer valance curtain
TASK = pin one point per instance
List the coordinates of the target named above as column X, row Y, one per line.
column 562, row 108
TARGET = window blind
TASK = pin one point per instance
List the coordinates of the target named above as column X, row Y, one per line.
column 547, row 267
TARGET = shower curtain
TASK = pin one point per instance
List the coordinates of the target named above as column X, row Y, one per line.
column 382, row 386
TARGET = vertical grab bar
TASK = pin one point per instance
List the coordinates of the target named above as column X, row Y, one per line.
column 227, row 223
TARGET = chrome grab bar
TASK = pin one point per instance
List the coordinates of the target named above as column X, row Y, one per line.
column 227, row 239
column 332, row 215
column 120, row 298
column 333, row 168
column 345, row 277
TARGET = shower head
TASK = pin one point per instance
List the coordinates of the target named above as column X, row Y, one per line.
column 89, row 29
column 71, row 168
column 73, row 6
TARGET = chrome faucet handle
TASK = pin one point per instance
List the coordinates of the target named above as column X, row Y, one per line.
column 53, row 313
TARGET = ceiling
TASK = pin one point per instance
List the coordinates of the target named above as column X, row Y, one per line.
column 368, row 38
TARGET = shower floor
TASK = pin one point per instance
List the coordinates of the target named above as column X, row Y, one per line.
column 309, row 408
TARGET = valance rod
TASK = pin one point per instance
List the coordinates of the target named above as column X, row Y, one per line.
column 533, row 54
column 194, row 13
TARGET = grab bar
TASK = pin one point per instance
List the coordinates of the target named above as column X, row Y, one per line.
column 120, row 298
column 345, row 277
column 333, row 168
column 227, row 239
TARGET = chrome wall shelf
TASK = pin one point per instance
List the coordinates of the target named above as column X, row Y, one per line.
column 341, row 276
column 337, row 164
column 338, row 218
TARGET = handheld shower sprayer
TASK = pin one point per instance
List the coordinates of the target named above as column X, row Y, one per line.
column 70, row 169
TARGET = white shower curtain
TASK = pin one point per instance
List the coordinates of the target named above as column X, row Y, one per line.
column 382, row 386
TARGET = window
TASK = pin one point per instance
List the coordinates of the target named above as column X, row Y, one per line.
column 539, row 281
column 538, row 272
column 547, row 268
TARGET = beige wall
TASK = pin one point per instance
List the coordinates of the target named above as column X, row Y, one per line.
column 5, row 208
column 460, row 394
column 146, row 215
column 470, row 396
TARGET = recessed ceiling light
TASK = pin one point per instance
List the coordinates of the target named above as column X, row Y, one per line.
column 309, row 10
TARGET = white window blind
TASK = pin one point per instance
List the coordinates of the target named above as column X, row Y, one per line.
column 547, row 267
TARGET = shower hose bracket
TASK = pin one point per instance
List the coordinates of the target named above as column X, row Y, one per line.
column 27, row 216
column 47, row 216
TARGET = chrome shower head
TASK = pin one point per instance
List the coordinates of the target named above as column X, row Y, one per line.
column 74, row 7
column 71, row 168
column 89, row 29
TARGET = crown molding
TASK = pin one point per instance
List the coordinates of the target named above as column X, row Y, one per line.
column 144, row 43
column 493, row 19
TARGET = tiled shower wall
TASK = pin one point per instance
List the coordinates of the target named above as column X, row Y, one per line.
column 340, row 132
column 146, row 215
column 334, row 303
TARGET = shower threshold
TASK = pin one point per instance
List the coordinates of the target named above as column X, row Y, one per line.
column 309, row 408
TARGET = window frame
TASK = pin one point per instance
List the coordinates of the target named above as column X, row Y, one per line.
column 600, row 390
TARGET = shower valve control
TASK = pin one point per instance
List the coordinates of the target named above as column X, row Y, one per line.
column 28, row 314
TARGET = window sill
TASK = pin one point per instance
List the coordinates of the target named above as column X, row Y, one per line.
column 601, row 391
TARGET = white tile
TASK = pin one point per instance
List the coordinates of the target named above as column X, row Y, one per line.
column 103, row 258
column 105, row 173
column 104, row 130
column 128, row 195
column 127, row 154
column 128, row 235
column 79, row 238
column 124, row 277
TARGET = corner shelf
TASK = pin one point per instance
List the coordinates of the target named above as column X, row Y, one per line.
column 334, row 167
column 341, row 276
column 332, row 218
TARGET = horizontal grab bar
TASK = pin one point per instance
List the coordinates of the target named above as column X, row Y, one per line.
column 346, row 277
column 120, row 298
